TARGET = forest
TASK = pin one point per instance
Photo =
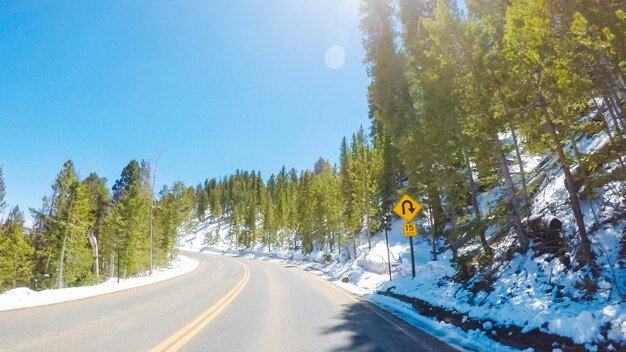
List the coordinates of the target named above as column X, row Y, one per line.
column 453, row 94
column 84, row 233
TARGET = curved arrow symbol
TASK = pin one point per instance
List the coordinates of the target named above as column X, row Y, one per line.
column 411, row 209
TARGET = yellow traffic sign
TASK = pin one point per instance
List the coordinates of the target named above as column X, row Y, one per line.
column 407, row 208
column 409, row 229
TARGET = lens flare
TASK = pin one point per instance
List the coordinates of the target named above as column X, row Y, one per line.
column 335, row 57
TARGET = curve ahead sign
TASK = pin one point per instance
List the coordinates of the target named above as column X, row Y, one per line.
column 407, row 208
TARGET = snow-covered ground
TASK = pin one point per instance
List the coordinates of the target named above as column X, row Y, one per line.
column 523, row 292
column 24, row 297
column 530, row 292
column 367, row 274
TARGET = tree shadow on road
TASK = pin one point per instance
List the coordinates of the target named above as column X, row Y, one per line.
column 365, row 331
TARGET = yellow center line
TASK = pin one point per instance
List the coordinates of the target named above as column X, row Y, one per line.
column 184, row 335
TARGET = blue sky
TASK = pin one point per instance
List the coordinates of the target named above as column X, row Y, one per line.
column 210, row 86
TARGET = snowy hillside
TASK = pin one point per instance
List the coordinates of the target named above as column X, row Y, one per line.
column 538, row 300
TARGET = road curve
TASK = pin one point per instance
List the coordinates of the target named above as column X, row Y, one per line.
column 227, row 304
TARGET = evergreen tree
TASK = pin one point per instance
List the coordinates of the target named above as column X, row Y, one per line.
column 269, row 224
column 128, row 222
column 3, row 203
column 305, row 211
column 99, row 206
column 548, row 61
column 174, row 204
column 346, row 189
column 327, row 204
column 15, row 253
column 65, row 235
column 201, row 202
column 487, row 106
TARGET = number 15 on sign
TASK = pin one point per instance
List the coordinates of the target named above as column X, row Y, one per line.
column 409, row 229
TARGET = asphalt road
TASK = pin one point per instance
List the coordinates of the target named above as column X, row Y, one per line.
column 227, row 304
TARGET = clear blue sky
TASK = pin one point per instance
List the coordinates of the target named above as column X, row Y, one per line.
column 212, row 86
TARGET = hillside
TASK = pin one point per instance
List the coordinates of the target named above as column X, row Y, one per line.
column 543, row 299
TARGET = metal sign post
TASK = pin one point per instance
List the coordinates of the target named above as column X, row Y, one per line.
column 410, row 231
column 412, row 257
column 386, row 224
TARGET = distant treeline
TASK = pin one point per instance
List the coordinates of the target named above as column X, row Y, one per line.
column 322, row 207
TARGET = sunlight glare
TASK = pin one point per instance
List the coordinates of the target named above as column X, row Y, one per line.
column 335, row 57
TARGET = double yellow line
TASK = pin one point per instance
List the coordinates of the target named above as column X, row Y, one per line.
column 179, row 339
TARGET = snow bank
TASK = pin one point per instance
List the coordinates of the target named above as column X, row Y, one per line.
column 23, row 297
column 526, row 291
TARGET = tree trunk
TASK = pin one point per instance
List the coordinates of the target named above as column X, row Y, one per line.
column 577, row 154
column 453, row 239
column 151, row 217
column 17, row 263
column 433, row 237
column 607, row 129
column 613, row 73
column 62, row 256
column 48, row 260
column 569, row 183
column 339, row 245
column 112, row 265
column 94, row 248
column 619, row 111
column 126, row 259
column 616, row 75
column 519, row 161
column 477, row 213
column 522, row 238
column 331, row 241
column 433, row 253
column 61, row 260
column 613, row 113
column 605, row 124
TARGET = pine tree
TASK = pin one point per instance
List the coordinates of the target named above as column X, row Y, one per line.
column 16, row 264
column 128, row 224
column 65, row 230
column 390, row 171
column 269, row 224
column 328, row 204
column 174, row 204
column 201, row 202
column 99, row 206
column 548, row 61
column 2, row 195
column 281, row 205
column 394, row 95
column 487, row 109
column 305, row 220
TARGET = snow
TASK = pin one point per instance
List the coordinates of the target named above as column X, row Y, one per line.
column 23, row 297
column 474, row 340
column 528, row 291
column 519, row 298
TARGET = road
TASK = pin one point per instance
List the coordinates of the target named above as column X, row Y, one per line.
column 227, row 304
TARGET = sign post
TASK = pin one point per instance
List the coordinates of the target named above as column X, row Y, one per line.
column 407, row 208
column 386, row 224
